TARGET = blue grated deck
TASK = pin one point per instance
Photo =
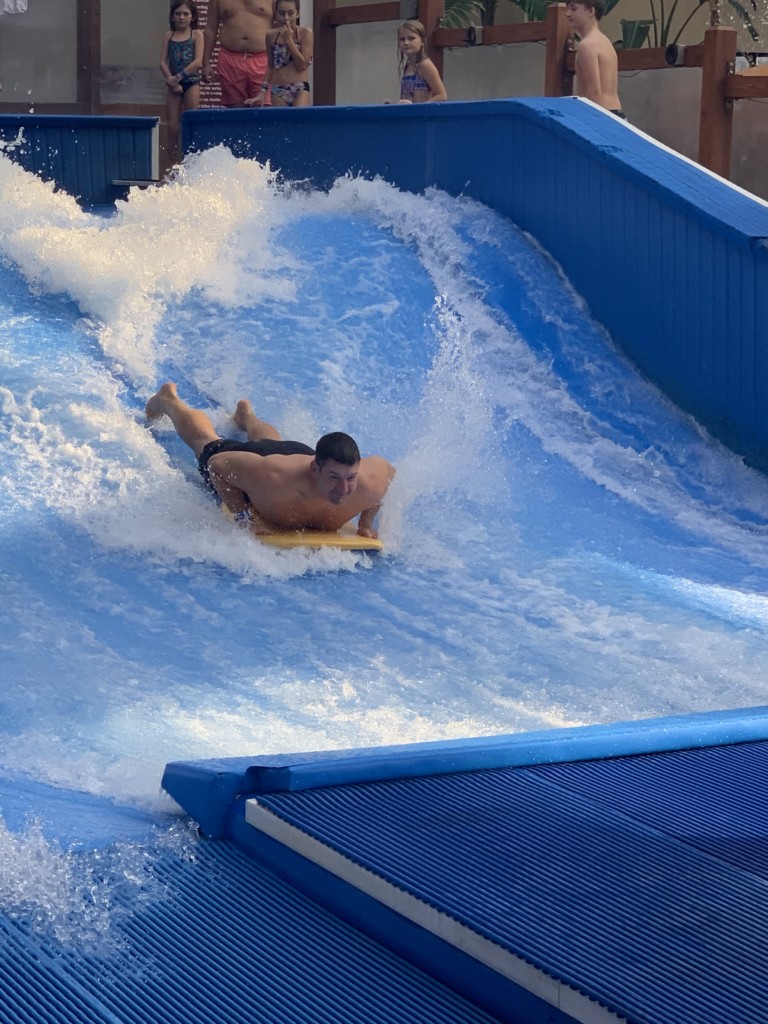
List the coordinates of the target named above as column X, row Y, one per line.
column 638, row 881
column 220, row 941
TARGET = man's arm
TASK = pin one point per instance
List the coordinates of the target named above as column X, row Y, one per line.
column 383, row 474
column 235, row 499
column 227, row 483
column 365, row 527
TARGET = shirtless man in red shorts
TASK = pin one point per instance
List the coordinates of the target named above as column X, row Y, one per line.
column 242, row 27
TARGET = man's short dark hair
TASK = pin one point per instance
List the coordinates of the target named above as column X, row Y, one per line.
column 598, row 6
column 339, row 447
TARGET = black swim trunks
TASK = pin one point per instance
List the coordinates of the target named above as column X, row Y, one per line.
column 264, row 447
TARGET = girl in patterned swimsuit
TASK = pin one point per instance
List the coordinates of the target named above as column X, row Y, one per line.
column 289, row 50
column 181, row 58
column 420, row 81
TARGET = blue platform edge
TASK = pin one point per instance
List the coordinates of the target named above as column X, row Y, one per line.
column 421, row 159
column 208, row 790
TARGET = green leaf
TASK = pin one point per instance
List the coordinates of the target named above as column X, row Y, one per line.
column 462, row 13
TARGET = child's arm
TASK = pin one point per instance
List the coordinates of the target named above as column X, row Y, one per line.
column 170, row 80
column 301, row 58
column 261, row 99
column 431, row 76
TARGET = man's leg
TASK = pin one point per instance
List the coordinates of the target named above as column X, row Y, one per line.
column 257, row 430
column 192, row 425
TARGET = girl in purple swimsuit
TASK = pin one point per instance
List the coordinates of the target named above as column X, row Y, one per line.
column 181, row 57
column 289, row 52
column 420, row 81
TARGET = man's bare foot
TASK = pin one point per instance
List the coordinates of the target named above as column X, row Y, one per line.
column 243, row 414
column 158, row 403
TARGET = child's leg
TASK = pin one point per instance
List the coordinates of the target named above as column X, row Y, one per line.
column 189, row 101
column 302, row 99
column 173, row 103
column 191, row 98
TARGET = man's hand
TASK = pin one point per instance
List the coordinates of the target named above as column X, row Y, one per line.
column 365, row 522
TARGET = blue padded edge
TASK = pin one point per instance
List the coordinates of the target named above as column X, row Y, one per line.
column 206, row 789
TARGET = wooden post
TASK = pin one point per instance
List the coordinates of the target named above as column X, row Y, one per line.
column 716, row 111
column 324, row 75
column 89, row 56
column 558, row 34
column 430, row 13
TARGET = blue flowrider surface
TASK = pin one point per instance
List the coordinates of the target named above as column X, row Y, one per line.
column 210, row 937
column 639, row 881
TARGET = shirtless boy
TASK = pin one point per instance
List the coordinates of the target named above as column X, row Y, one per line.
column 242, row 26
column 280, row 485
column 597, row 66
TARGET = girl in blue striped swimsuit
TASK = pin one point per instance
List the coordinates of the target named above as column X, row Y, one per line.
column 181, row 58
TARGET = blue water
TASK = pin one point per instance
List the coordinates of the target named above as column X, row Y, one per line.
column 563, row 546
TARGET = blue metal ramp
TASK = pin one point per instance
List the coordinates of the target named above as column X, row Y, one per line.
column 218, row 940
column 631, row 888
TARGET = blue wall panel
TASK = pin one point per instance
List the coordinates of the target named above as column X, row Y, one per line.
column 84, row 155
column 670, row 258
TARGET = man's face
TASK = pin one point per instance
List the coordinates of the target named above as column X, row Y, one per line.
column 336, row 481
column 578, row 15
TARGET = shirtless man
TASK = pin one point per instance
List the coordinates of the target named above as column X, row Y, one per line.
column 242, row 64
column 280, row 485
column 597, row 66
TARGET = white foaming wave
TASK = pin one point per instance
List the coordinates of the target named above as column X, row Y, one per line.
column 30, row 201
column 687, row 492
column 66, row 896
column 204, row 230
column 729, row 603
column 126, row 754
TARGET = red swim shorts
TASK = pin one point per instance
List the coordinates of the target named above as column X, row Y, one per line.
column 241, row 76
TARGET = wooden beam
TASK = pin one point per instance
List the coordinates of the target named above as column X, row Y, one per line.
column 745, row 87
column 324, row 72
column 492, row 35
column 557, row 81
column 716, row 111
column 361, row 15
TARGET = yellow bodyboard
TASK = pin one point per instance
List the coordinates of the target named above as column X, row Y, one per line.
column 346, row 539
